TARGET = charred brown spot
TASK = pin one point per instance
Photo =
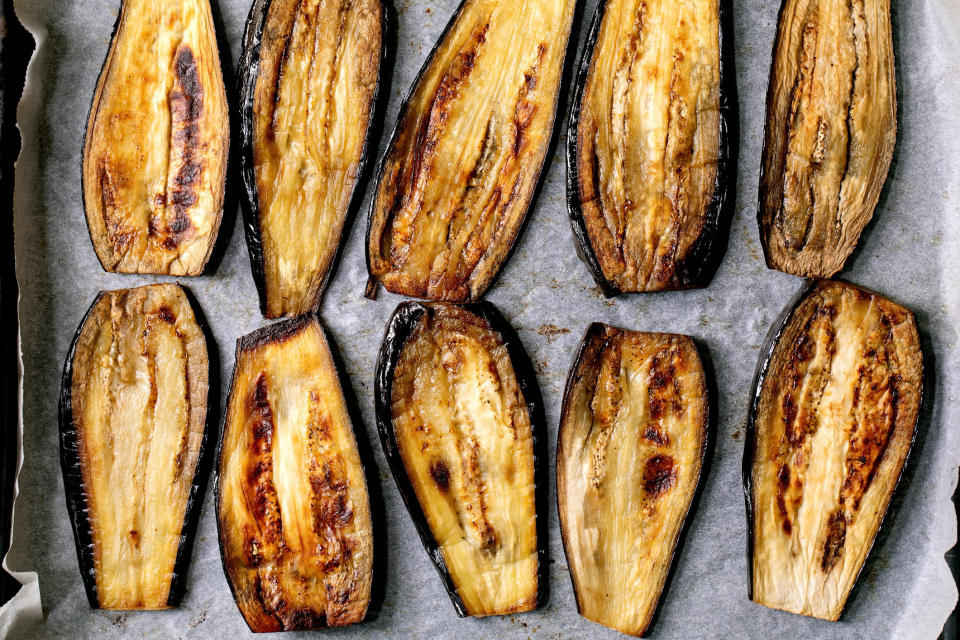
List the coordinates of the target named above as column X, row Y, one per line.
column 836, row 536
column 166, row 314
column 440, row 474
column 659, row 475
column 258, row 405
column 656, row 436
column 186, row 107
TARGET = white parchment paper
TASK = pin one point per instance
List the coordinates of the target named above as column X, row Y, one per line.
column 909, row 252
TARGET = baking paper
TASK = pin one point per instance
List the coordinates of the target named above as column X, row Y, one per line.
column 909, row 252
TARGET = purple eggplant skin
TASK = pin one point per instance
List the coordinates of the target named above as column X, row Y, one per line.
column 708, row 252
column 73, row 479
column 706, row 455
column 402, row 323
column 246, row 84
column 750, row 439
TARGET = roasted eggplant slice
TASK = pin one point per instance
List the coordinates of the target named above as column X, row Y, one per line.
column 155, row 154
column 292, row 505
column 464, row 161
column 133, row 415
column 308, row 82
column 461, row 422
column 832, row 420
column 652, row 144
column 831, row 128
column 633, row 436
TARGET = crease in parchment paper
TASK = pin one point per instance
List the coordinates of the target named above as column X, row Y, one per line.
column 911, row 252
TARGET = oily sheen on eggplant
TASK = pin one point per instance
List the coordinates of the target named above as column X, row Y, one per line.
column 461, row 423
column 308, row 84
column 465, row 159
column 133, row 414
column 832, row 421
column 830, row 133
column 293, row 511
column 652, row 144
column 155, row 154
column 633, row 436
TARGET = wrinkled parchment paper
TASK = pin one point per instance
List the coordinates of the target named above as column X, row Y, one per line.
column 909, row 252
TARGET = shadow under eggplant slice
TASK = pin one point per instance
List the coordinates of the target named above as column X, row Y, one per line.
column 633, row 437
column 155, row 152
column 461, row 423
column 293, row 512
column 133, row 425
column 468, row 152
column 652, row 144
column 830, row 132
column 837, row 396
column 309, row 82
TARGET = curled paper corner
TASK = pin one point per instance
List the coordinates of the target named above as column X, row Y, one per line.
column 24, row 608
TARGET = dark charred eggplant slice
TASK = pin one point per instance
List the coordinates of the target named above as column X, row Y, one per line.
column 155, row 154
column 633, row 435
column 308, row 83
column 831, row 128
column 652, row 144
column 832, row 421
column 464, row 161
column 461, row 422
column 133, row 411
column 292, row 505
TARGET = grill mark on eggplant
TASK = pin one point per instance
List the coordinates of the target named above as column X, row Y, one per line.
column 262, row 495
column 432, row 127
column 490, row 223
column 800, row 413
column 801, row 92
column 856, row 11
column 186, row 108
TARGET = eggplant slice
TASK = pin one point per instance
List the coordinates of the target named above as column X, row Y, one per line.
column 830, row 133
column 652, row 144
column 461, row 423
column 292, row 506
column 832, row 421
column 308, row 83
column 155, row 154
column 133, row 414
column 633, row 437
column 465, row 159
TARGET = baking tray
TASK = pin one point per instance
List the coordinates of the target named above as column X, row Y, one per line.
column 909, row 253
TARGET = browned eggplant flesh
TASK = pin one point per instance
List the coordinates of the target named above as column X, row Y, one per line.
column 313, row 74
column 649, row 142
column 462, row 428
column 831, row 128
column 464, row 162
column 633, row 436
column 155, row 154
column 132, row 423
column 832, row 423
column 292, row 506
